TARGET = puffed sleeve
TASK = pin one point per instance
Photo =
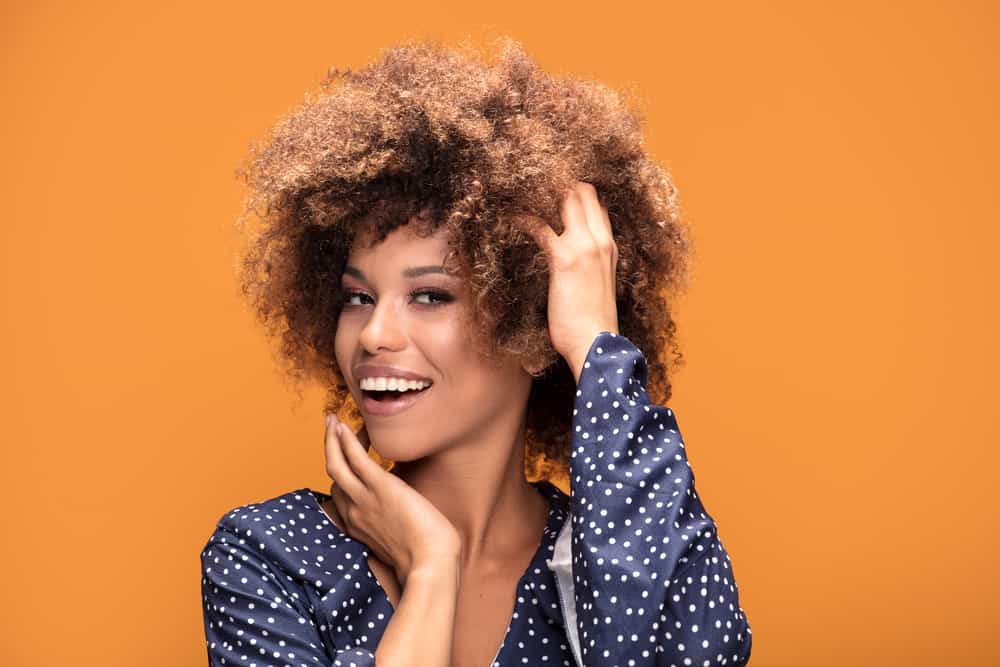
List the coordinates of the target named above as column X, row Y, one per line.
column 254, row 613
column 653, row 584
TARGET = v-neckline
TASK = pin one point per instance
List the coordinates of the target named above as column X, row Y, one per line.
column 544, row 487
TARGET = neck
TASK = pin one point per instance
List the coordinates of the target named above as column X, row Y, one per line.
column 482, row 490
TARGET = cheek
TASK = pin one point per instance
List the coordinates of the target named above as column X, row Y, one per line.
column 453, row 353
column 341, row 350
column 475, row 379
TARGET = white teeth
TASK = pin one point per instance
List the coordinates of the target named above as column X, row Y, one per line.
column 391, row 384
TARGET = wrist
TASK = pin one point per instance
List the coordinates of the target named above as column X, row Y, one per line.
column 576, row 362
column 444, row 571
column 577, row 356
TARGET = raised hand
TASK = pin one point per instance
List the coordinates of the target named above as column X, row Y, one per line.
column 582, row 264
column 401, row 527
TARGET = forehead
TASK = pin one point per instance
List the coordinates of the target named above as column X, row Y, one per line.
column 407, row 244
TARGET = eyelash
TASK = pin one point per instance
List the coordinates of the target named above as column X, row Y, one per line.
column 443, row 296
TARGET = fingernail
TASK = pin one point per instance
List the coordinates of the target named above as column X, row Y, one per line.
column 328, row 415
column 338, row 427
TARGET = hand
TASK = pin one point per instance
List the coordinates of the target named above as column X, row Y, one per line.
column 582, row 264
column 398, row 524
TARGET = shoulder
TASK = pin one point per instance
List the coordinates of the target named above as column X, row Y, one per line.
column 282, row 530
column 288, row 541
column 278, row 513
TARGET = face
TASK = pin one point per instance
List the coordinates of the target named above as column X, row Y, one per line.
column 401, row 310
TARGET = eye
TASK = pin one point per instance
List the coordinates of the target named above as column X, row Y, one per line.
column 442, row 297
column 350, row 294
column 435, row 297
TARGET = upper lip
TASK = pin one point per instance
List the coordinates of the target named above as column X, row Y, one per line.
column 378, row 371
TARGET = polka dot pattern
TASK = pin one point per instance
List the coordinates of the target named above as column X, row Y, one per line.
column 653, row 584
column 283, row 586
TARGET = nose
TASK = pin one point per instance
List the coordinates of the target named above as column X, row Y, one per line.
column 382, row 331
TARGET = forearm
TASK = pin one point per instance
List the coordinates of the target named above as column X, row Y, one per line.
column 643, row 540
column 424, row 622
column 578, row 357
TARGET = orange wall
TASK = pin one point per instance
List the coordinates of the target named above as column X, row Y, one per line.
column 839, row 399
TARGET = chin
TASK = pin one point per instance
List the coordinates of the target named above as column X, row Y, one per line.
column 403, row 452
column 402, row 447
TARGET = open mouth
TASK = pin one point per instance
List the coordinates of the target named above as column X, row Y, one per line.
column 386, row 403
column 391, row 395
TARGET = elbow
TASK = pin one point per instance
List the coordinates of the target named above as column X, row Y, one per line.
column 719, row 648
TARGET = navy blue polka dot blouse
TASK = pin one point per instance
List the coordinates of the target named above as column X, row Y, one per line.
column 630, row 570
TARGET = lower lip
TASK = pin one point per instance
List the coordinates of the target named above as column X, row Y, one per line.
column 388, row 408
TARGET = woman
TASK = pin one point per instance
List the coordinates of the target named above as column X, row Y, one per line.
column 471, row 256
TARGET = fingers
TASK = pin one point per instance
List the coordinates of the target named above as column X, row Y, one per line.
column 540, row 231
column 596, row 216
column 576, row 231
column 357, row 456
column 336, row 464
column 585, row 223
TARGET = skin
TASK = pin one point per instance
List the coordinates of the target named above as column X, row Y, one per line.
column 457, row 500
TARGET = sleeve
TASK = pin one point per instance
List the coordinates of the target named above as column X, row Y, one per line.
column 256, row 614
column 654, row 586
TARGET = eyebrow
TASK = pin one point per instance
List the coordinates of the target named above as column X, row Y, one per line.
column 412, row 272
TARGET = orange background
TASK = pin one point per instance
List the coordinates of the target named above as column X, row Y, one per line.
column 839, row 166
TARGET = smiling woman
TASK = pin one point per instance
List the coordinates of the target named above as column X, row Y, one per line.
column 469, row 256
column 471, row 145
column 401, row 321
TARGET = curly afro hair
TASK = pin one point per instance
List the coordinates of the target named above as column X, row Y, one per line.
column 469, row 142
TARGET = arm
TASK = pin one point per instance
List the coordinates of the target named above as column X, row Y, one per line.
column 253, row 610
column 424, row 623
column 654, row 585
column 427, row 562
column 255, row 613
